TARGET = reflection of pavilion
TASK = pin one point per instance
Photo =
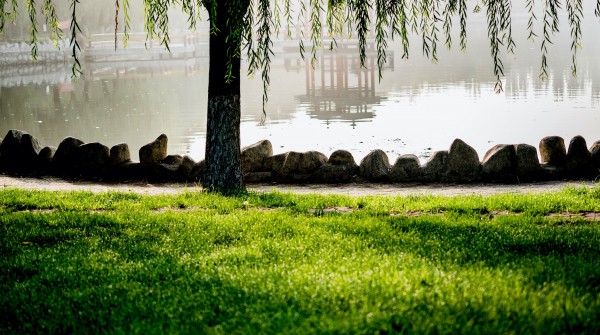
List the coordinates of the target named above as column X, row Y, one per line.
column 338, row 88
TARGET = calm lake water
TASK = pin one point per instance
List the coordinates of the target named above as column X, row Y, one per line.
column 418, row 107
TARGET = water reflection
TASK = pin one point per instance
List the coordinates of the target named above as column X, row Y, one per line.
column 340, row 88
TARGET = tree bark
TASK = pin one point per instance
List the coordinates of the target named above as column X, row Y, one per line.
column 223, row 169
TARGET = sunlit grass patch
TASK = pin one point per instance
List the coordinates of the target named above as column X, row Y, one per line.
column 287, row 263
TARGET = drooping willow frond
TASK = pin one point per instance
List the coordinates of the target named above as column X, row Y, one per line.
column 3, row 14
column 6, row 15
column 316, row 8
column 75, row 47
column 156, row 21
column 449, row 12
column 49, row 11
column 33, row 39
column 265, row 44
column 550, row 26
column 494, row 22
column 117, row 8
column 462, row 9
column 381, row 34
column 362, row 22
column 399, row 22
column 532, row 18
column 126, row 22
column 575, row 12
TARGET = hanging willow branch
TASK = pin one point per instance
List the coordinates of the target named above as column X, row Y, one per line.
column 32, row 28
column 49, row 11
column 75, row 48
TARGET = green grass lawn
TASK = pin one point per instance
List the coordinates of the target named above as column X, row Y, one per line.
column 77, row 262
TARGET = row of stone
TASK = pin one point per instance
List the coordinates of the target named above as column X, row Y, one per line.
column 502, row 163
column 21, row 154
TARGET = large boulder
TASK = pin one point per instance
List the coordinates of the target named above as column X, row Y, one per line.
column 44, row 160
column 342, row 157
column 298, row 166
column 197, row 173
column 258, row 177
column 92, row 159
column 579, row 159
column 18, row 152
column 330, row 173
column 119, row 154
column 375, row 166
column 527, row 162
column 275, row 163
column 406, row 168
column 155, row 151
column 595, row 155
column 186, row 167
column 340, row 168
column 64, row 162
column 499, row 164
column 254, row 155
column 46, row 155
column 173, row 160
column 553, row 152
column 436, row 167
column 463, row 162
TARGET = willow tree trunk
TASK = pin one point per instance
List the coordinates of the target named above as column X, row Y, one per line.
column 223, row 169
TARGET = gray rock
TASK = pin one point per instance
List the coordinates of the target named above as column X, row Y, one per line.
column 549, row 172
column 119, row 154
column 375, row 166
column 463, row 162
column 333, row 174
column 302, row 163
column 186, row 167
column 198, row 171
column 341, row 167
column 499, row 164
column 341, row 157
column 173, row 160
column 595, row 155
column 46, row 155
column 275, row 163
column 254, row 155
column 66, row 157
column 19, row 151
column 527, row 164
column 258, row 177
column 44, row 160
column 154, row 151
column 552, row 151
column 127, row 171
column 406, row 168
column 436, row 167
column 579, row 159
column 92, row 159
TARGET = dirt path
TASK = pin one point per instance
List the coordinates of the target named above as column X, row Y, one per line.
column 354, row 189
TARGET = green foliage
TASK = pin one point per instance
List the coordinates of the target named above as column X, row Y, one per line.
column 274, row 263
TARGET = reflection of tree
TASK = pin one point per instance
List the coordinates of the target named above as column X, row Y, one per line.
column 339, row 88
